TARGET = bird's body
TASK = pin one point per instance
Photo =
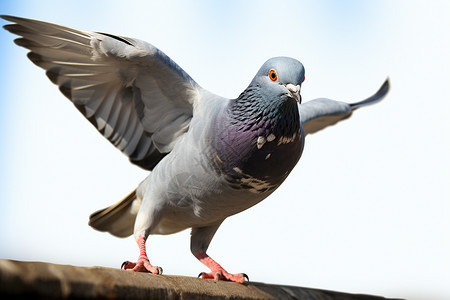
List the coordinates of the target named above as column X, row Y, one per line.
column 218, row 169
column 209, row 157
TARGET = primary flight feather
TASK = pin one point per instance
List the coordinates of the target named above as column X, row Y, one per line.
column 209, row 157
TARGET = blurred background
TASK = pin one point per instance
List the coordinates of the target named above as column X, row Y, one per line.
column 366, row 210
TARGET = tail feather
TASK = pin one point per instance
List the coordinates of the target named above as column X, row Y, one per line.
column 117, row 219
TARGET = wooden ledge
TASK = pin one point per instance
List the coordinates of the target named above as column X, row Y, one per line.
column 52, row 281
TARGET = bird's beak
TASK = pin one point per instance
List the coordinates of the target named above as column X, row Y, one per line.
column 294, row 92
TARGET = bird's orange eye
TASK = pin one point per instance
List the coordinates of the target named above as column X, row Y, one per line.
column 303, row 79
column 273, row 75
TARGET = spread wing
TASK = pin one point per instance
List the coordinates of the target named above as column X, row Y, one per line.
column 319, row 113
column 135, row 95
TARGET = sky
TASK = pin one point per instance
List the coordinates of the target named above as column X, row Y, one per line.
column 367, row 208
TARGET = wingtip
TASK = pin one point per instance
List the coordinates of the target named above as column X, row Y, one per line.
column 386, row 85
column 378, row 96
column 9, row 18
column 384, row 88
column 10, row 26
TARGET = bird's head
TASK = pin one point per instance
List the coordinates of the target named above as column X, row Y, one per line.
column 280, row 78
column 271, row 98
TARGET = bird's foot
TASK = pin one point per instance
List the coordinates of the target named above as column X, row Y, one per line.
column 221, row 274
column 142, row 265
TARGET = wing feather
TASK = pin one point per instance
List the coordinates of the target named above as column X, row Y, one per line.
column 113, row 116
column 125, row 114
column 135, row 95
column 319, row 113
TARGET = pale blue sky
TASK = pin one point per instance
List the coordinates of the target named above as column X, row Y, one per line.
column 367, row 209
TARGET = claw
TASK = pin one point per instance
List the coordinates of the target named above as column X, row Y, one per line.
column 217, row 276
column 160, row 270
column 200, row 275
column 124, row 264
column 245, row 276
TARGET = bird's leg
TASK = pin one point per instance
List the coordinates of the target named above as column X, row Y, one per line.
column 217, row 272
column 200, row 239
column 142, row 264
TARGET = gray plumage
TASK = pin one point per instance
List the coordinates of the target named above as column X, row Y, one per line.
column 317, row 114
column 208, row 157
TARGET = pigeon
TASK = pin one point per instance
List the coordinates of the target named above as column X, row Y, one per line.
column 209, row 157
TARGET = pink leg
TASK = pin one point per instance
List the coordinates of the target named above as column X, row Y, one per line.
column 142, row 264
column 217, row 272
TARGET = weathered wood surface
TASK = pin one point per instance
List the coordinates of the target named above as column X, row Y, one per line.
column 37, row 280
